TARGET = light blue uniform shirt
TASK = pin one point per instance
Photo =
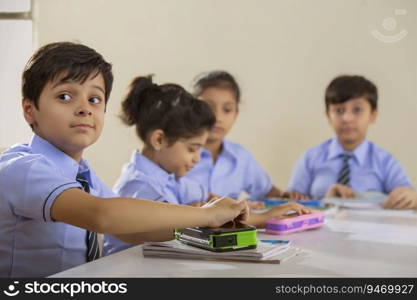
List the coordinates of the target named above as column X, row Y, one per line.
column 234, row 171
column 31, row 177
column 142, row 178
column 371, row 169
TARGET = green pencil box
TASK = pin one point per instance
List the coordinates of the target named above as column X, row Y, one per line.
column 229, row 237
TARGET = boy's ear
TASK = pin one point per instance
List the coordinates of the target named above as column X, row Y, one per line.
column 374, row 115
column 157, row 139
column 28, row 111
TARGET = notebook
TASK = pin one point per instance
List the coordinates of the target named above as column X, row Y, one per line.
column 263, row 253
column 366, row 200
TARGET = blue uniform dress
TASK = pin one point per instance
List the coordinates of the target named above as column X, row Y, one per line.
column 234, row 171
column 371, row 169
column 31, row 177
column 142, row 178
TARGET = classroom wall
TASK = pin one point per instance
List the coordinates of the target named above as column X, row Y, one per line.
column 283, row 53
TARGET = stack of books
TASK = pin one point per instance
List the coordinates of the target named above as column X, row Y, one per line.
column 265, row 252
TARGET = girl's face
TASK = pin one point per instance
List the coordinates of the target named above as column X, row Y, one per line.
column 225, row 107
column 180, row 157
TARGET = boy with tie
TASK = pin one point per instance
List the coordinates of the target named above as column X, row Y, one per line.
column 348, row 163
column 52, row 204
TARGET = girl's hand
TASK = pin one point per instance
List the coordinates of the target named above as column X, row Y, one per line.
column 255, row 204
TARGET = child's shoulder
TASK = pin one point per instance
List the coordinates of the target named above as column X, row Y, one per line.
column 379, row 153
column 134, row 183
column 317, row 150
column 20, row 157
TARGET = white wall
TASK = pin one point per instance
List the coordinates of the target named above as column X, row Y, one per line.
column 283, row 53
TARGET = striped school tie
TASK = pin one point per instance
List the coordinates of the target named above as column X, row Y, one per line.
column 344, row 174
column 93, row 251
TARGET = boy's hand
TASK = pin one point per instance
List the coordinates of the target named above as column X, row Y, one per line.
column 340, row 190
column 294, row 196
column 401, row 198
column 280, row 211
column 255, row 204
column 223, row 210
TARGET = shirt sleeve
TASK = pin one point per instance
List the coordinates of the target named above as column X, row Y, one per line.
column 301, row 177
column 258, row 182
column 191, row 191
column 32, row 185
column 395, row 175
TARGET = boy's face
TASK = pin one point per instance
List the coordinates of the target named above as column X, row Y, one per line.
column 70, row 114
column 224, row 105
column 350, row 121
column 180, row 157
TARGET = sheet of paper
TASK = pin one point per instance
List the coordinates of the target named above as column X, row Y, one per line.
column 382, row 233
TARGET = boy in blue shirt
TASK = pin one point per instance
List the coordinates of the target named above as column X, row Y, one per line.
column 348, row 163
column 51, row 203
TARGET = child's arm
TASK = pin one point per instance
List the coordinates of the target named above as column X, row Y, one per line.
column 128, row 215
column 401, row 198
column 279, row 211
column 340, row 190
column 152, row 236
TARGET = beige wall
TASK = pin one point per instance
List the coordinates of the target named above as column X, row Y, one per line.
column 283, row 53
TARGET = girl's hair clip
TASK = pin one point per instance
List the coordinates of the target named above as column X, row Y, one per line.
column 176, row 101
column 158, row 105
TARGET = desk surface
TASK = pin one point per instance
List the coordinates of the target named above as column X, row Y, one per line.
column 352, row 243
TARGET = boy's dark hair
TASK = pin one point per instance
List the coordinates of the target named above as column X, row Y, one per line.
column 78, row 61
column 167, row 107
column 215, row 79
column 346, row 87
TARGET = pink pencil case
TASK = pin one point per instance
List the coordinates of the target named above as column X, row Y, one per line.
column 294, row 224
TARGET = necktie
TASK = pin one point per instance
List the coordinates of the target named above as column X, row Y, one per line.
column 344, row 174
column 93, row 251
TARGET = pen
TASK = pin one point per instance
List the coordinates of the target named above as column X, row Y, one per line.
column 275, row 241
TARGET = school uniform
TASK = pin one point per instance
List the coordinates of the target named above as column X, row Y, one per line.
column 370, row 169
column 32, row 176
column 234, row 171
column 142, row 178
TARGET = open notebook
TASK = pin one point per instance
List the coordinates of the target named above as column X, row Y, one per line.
column 263, row 253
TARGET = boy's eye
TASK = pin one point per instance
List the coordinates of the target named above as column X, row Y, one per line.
column 64, row 97
column 95, row 100
column 339, row 111
column 357, row 110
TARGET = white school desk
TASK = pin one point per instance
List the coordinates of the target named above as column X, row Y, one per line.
column 352, row 243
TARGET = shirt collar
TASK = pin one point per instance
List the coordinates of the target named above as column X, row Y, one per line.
column 227, row 150
column 67, row 164
column 335, row 150
column 147, row 166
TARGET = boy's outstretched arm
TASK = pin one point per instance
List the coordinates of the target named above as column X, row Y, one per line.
column 129, row 215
